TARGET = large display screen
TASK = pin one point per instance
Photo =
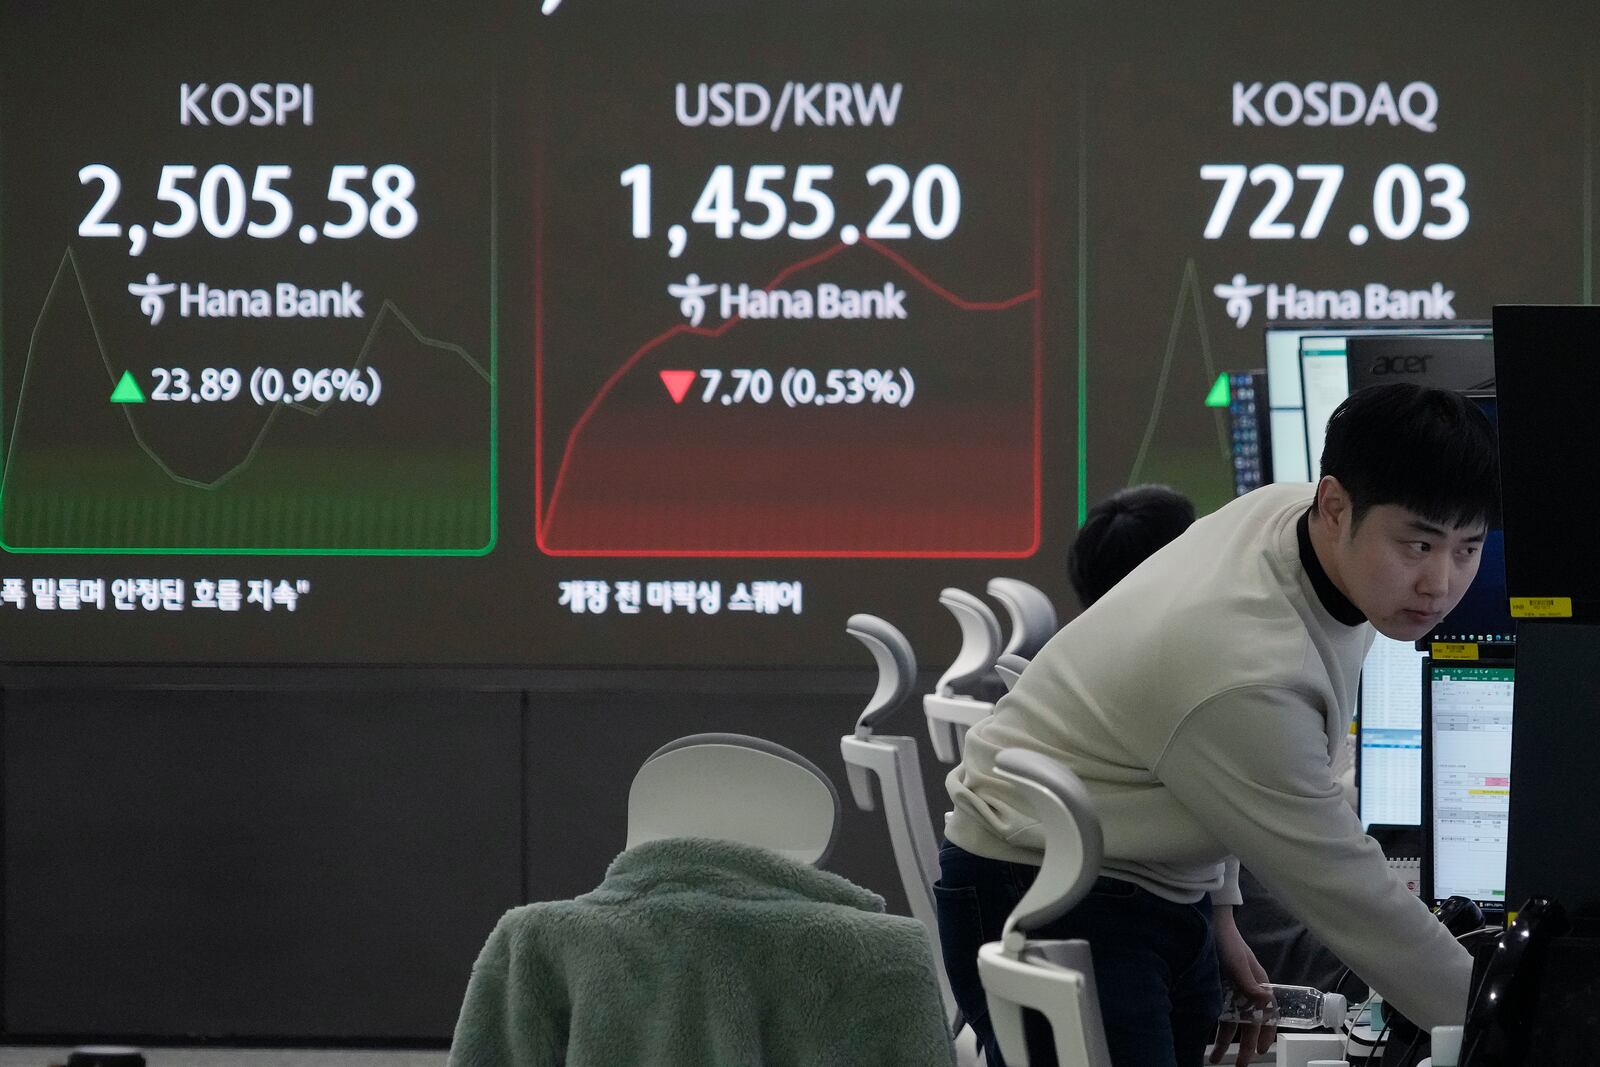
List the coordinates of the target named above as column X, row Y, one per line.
column 628, row 333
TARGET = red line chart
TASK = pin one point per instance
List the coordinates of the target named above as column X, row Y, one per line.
column 545, row 513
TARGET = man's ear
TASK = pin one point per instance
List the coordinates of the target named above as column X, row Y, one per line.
column 1333, row 504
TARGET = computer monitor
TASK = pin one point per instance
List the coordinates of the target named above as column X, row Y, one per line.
column 1284, row 400
column 1461, row 362
column 1547, row 379
column 1466, row 795
column 1389, row 735
column 1290, row 451
column 1483, row 616
column 1250, row 429
column 1335, row 364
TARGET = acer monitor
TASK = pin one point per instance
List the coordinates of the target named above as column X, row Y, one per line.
column 1291, row 461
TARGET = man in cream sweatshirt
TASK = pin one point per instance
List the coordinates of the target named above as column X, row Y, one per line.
column 1202, row 701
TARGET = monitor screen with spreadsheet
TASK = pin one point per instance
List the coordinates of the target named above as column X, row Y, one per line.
column 1389, row 753
column 1467, row 780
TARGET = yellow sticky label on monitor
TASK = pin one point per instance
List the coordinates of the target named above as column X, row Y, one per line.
column 1455, row 650
column 1541, row 607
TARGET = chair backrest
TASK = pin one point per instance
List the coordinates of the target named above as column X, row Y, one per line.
column 1033, row 617
column 950, row 714
column 897, row 668
column 1074, row 846
column 734, row 787
column 1055, row 978
column 1010, row 667
column 887, row 767
column 980, row 640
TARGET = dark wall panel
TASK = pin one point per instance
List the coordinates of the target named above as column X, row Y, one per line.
column 324, row 862
column 578, row 778
column 270, row 864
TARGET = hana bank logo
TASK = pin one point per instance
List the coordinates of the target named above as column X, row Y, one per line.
column 152, row 294
column 1374, row 301
column 691, row 294
column 1240, row 296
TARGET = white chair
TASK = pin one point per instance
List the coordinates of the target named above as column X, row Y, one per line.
column 733, row 787
column 1055, row 978
column 891, row 761
column 1010, row 667
column 1033, row 617
column 736, row 788
column 951, row 714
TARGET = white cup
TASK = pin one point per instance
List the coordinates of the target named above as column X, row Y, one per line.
column 1447, row 1046
column 1302, row 1050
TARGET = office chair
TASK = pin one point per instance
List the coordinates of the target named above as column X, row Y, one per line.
column 1033, row 617
column 951, row 714
column 892, row 762
column 1010, row 667
column 733, row 787
column 1055, row 978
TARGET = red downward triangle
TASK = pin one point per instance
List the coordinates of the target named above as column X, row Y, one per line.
column 678, row 382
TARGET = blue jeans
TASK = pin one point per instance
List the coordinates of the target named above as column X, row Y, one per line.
column 1154, row 961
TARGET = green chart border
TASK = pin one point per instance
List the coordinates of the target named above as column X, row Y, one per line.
column 494, row 423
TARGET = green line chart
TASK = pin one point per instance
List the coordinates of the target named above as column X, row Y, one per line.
column 411, row 476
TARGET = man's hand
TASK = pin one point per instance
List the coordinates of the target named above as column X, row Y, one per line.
column 1239, row 966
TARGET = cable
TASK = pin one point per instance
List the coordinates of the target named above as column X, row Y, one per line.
column 1472, row 996
column 1350, row 1032
column 1411, row 1048
column 1349, row 1036
column 1338, row 983
column 1382, row 1033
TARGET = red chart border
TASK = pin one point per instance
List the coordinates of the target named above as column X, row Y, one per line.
column 1037, row 296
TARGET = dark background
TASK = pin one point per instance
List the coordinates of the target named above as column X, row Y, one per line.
column 237, row 844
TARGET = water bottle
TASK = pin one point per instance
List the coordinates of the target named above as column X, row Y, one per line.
column 1294, row 1007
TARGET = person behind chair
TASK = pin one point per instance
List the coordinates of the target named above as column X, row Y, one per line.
column 1118, row 534
column 1121, row 532
column 1201, row 701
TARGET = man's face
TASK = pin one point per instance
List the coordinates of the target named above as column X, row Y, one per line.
column 1406, row 572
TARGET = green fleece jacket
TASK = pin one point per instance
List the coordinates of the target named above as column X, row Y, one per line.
column 700, row 953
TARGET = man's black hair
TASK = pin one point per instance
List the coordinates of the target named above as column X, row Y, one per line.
column 1429, row 451
column 1121, row 532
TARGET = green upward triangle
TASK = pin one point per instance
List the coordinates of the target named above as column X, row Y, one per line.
column 127, row 390
column 1217, row 398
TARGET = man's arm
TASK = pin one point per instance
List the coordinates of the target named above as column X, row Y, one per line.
column 1252, row 765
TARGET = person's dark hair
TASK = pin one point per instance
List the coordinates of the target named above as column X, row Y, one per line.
column 1121, row 532
column 1429, row 451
